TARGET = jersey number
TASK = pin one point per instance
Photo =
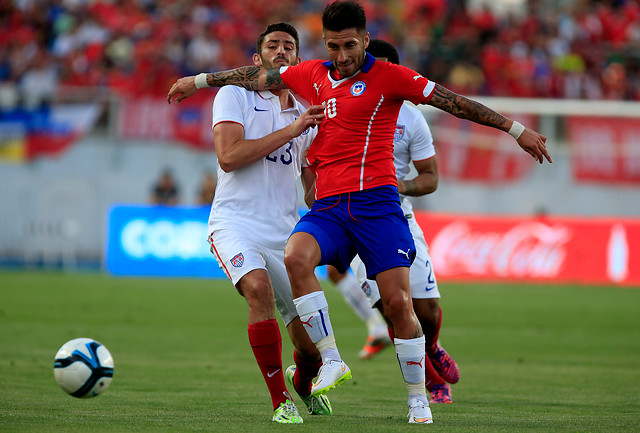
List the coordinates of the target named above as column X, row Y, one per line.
column 330, row 108
column 285, row 159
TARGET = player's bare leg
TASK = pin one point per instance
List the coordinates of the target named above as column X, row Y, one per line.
column 301, row 256
column 395, row 295
column 264, row 334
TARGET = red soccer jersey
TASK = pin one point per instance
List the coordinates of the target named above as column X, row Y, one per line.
column 353, row 150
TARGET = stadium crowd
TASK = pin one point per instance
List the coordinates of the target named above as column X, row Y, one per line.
column 580, row 49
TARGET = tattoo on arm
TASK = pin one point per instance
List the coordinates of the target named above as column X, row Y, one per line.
column 411, row 187
column 466, row 108
column 274, row 81
column 247, row 77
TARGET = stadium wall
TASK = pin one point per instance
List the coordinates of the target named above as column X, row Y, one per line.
column 54, row 209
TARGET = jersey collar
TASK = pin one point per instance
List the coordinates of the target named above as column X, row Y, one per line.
column 266, row 94
column 368, row 63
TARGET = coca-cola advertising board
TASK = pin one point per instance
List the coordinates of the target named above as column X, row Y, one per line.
column 562, row 250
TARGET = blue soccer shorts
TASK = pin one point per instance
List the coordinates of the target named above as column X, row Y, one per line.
column 369, row 223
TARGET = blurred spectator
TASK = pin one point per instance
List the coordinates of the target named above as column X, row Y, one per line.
column 207, row 189
column 39, row 83
column 165, row 190
column 571, row 49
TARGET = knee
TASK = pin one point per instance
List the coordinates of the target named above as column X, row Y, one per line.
column 259, row 295
column 397, row 307
column 296, row 261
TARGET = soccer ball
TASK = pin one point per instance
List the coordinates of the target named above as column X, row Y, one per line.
column 83, row 367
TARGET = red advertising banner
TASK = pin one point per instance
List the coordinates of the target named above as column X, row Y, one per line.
column 605, row 149
column 151, row 118
column 471, row 152
column 562, row 250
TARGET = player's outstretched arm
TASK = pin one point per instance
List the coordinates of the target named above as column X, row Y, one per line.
column 529, row 140
column 249, row 77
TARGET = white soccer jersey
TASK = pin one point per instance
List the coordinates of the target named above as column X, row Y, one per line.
column 261, row 198
column 412, row 142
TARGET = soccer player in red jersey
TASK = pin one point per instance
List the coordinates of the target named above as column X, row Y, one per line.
column 357, row 209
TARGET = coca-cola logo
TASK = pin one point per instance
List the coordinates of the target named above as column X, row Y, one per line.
column 528, row 249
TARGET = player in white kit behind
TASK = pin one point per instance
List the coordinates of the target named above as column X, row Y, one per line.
column 260, row 140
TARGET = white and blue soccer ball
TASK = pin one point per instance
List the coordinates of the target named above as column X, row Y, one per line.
column 83, row 367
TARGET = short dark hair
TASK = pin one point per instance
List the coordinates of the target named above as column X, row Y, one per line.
column 341, row 15
column 278, row 27
column 380, row 48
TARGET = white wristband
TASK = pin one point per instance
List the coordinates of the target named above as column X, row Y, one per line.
column 201, row 81
column 516, row 129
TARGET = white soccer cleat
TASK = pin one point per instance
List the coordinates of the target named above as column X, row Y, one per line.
column 419, row 413
column 316, row 404
column 332, row 374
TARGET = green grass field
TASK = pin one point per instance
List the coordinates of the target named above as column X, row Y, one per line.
column 532, row 358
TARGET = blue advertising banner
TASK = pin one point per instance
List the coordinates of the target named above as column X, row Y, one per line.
column 159, row 241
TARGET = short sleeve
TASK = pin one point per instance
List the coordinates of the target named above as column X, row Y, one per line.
column 299, row 77
column 228, row 106
column 421, row 141
column 409, row 84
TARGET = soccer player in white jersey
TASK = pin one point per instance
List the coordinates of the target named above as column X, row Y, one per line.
column 260, row 139
column 413, row 143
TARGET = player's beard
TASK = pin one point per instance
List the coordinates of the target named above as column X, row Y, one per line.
column 345, row 73
column 272, row 64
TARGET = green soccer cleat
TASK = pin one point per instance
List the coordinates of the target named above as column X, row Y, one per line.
column 316, row 404
column 287, row 413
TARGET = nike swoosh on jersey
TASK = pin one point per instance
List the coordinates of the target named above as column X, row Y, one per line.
column 259, row 109
column 270, row 374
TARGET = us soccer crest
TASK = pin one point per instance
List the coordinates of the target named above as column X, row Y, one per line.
column 237, row 260
column 366, row 288
column 399, row 133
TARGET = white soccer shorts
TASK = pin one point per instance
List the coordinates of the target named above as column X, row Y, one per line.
column 238, row 255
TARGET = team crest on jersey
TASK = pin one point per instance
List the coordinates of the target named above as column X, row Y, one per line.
column 237, row 260
column 366, row 288
column 399, row 133
column 358, row 88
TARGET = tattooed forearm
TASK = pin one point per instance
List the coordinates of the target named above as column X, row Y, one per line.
column 274, row 81
column 246, row 77
column 249, row 77
column 411, row 188
column 466, row 108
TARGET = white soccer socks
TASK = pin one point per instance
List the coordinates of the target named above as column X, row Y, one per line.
column 411, row 357
column 313, row 311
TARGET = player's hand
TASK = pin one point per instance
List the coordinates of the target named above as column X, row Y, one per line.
column 183, row 88
column 312, row 117
column 535, row 145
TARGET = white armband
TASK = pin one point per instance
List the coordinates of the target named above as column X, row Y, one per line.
column 201, row 81
column 516, row 129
